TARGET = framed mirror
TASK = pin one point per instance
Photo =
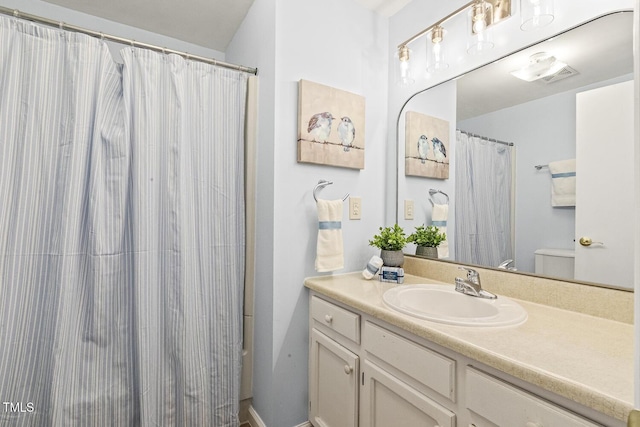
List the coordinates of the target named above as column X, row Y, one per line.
column 514, row 212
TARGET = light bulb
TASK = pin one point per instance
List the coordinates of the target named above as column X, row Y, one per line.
column 435, row 51
column 479, row 26
column 404, row 76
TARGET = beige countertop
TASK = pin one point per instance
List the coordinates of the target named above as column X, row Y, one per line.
column 584, row 358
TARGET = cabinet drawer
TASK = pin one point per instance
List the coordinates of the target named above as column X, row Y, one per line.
column 505, row 405
column 336, row 318
column 423, row 365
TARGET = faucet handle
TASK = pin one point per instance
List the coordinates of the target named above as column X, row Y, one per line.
column 471, row 274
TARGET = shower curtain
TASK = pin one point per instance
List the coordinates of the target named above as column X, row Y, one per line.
column 121, row 234
column 483, row 201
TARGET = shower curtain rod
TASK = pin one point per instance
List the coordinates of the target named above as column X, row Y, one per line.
column 64, row 26
column 510, row 144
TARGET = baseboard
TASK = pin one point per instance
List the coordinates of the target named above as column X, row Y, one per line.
column 256, row 421
column 254, row 418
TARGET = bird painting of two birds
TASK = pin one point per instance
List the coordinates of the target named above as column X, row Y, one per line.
column 427, row 152
column 330, row 126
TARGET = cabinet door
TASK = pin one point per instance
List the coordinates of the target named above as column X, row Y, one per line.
column 333, row 383
column 388, row 402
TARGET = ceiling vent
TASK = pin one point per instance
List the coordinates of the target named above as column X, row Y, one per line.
column 541, row 66
column 565, row 72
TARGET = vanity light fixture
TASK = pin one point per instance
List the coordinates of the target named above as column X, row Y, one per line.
column 540, row 65
column 484, row 13
column 535, row 14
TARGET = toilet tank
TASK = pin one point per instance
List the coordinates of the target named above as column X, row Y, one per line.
column 555, row 262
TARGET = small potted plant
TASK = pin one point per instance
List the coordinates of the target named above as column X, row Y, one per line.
column 427, row 240
column 390, row 241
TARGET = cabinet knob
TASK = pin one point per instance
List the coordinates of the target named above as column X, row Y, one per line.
column 328, row 318
column 348, row 369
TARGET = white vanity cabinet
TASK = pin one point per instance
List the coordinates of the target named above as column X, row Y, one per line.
column 367, row 373
column 393, row 385
column 334, row 366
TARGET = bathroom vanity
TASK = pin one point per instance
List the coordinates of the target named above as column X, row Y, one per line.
column 371, row 365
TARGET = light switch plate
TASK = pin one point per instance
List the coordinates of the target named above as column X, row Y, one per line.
column 355, row 208
column 408, row 209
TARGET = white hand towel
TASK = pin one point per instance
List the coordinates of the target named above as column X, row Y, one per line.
column 330, row 252
column 439, row 216
column 563, row 182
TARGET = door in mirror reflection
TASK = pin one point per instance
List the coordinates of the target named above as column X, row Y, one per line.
column 604, row 185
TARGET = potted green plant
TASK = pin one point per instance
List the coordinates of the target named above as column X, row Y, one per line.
column 390, row 241
column 427, row 240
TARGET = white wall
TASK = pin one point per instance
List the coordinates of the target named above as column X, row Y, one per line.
column 636, row 67
column 344, row 46
column 255, row 43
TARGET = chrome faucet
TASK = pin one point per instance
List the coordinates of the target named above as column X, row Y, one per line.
column 471, row 285
column 507, row 265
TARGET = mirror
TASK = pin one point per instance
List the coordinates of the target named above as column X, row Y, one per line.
column 490, row 102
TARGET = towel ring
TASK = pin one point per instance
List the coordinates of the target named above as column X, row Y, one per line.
column 320, row 185
column 433, row 191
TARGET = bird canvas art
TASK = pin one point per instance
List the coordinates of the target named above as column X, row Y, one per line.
column 330, row 126
column 427, row 146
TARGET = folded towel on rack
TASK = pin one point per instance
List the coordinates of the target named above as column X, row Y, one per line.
column 439, row 216
column 563, row 182
column 329, row 252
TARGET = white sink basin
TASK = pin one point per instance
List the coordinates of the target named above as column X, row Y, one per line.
column 441, row 303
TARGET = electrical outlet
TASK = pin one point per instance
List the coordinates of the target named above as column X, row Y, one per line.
column 355, row 208
column 408, row 209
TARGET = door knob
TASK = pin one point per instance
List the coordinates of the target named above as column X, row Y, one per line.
column 586, row 241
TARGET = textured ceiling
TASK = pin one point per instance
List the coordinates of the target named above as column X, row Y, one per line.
column 207, row 23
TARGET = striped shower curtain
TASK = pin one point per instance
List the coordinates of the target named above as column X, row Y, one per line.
column 483, row 201
column 121, row 234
